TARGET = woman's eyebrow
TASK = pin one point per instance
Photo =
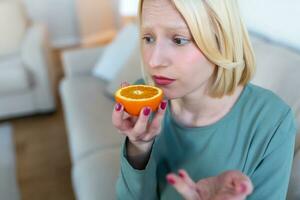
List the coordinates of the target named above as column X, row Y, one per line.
column 172, row 28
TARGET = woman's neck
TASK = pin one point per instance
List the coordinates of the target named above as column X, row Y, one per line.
column 202, row 110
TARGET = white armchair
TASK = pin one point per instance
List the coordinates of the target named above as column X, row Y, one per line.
column 25, row 86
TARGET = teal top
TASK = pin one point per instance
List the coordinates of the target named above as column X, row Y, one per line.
column 256, row 137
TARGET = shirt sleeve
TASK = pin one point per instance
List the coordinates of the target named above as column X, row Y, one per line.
column 271, row 177
column 133, row 184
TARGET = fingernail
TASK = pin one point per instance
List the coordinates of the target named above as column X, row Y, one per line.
column 123, row 84
column 242, row 188
column 181, row 174
column 146, row 111
column 118, row 107
column 163, row 105
column 171, row 181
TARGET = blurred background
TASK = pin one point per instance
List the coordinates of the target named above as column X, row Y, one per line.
column 60, row 63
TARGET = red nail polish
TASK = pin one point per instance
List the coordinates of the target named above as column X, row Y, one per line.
column 242, row 188
column 171, row 181
column 163, row 105
column 124, row 84
column 146, row 111
column 118, row 107
column 181, row 174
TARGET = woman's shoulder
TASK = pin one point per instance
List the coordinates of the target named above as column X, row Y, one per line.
column 271, row 115
column 265, row 99
column 263, row 107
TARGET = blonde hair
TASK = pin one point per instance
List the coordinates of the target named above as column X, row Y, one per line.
column 220, row 34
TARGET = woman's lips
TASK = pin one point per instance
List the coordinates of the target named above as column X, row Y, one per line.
column 161, row 80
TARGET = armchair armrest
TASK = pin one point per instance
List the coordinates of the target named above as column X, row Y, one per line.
column 37, row 59
column 81, row 61
column 297, row 114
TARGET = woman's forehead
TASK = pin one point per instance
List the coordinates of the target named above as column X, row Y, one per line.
column 161, row 13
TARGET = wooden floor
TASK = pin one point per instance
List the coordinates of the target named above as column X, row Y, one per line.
column 43, row 161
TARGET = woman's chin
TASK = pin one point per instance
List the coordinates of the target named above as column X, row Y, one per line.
column 169, row 92
column 169, row 96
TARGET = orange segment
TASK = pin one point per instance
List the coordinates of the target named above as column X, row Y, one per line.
column 135, row 97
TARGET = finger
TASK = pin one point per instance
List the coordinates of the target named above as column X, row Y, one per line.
column 129, row 117
column 206, row 187
column 237, row 182
column 229, row 196
column 124, row 84
column 155, row 125
column 185, row 177
column 125, row 115
column 133, row 119
column 242, row 185
column 117, row 118
column 188, row 192
column 117, row 115
column 140, row 126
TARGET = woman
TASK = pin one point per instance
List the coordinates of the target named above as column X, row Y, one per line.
column 226, row 138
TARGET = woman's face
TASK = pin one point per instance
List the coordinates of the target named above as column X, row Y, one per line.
column 168, row 51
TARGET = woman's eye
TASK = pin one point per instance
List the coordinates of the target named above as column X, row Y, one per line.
column 180, row 41
column 148, row 39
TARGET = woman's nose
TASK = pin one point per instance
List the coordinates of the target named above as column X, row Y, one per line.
column 158, row 57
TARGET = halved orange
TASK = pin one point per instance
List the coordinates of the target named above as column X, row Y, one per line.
column 135, row 97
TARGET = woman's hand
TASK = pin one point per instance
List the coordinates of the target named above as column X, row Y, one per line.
column 230, row 185
column 138, row 129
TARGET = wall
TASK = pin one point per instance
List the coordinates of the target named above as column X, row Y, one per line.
column 276, row 20
column 60, row 16
column 69, row 21
column 96, row 17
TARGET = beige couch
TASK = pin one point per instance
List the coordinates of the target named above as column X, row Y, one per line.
column 94, row 143
column 25, row 62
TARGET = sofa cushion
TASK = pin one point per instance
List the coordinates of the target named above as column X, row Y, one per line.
column 278, row 69
column 13, row 26
column 88, row 116
column 13, row 77
column 130, row 72
column 294, row 186
column 116, row 53
column 95, row 176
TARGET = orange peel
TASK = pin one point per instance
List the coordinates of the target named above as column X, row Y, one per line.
column 135, row 97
